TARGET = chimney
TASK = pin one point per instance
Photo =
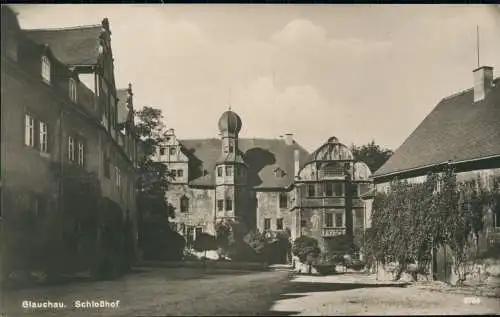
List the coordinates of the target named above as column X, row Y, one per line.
column 483, row 82
column 296, row 162
column 289, row 139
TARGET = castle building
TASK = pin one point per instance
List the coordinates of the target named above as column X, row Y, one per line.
column 267, row 184
column 62, row 119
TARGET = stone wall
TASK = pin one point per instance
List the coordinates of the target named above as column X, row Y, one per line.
column 201, row 207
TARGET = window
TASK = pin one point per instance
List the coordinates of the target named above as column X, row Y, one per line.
column 328, row 220
column 162, row 151
column 43, row 137
column 45, row 68
column 81, row 153
column 72, row 90
column 229, row 204
column 229, row 171
column 107, row 163
column 267, row 223
column 180, row 173
column 220, row 205
column 219, row 171
column 173, row 151
column 184, row 204
column 339, row 189
column 283, row 200
column 333, row 170
column 338, row 220
column 311, row 190
column 118, row 176
column 29, row 130
column 279, row 224
column 71, row 148
column 329, row 190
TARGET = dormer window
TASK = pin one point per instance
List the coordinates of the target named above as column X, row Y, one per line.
column 46, row 68
column 72, row 90
column 278, row 172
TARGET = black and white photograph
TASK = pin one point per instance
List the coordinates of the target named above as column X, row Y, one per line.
column 250, row 160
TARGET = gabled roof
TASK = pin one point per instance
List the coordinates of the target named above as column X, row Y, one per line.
column 263, row 157
column 122, row 95
column 71, row 46
column 456, row 130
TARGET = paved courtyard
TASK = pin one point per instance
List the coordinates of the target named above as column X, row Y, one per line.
column 359, row 294
column 160, row 292
column 183, row 291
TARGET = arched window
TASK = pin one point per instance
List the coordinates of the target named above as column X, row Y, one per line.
column 184, row 204
column 46, row 68
column 332, row 170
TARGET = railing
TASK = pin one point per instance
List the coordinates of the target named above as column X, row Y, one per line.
column 332, row 232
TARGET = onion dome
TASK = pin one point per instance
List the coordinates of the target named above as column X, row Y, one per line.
column 230, row 122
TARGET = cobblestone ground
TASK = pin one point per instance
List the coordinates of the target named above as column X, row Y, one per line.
column 358, row 294
column 160, row 292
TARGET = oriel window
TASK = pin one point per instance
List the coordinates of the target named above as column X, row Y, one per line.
column 311, row 190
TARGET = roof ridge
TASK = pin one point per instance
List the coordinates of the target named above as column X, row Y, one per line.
column 457, row 94
column 77, row 27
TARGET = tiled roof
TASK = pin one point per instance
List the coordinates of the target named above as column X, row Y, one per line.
column 263, row 157
column 122, row 95
column 71, row 46
column 456, row 130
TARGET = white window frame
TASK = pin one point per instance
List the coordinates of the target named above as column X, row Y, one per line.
column 81, row 153
column 44, row 137
column 220, row 171
column 229, row 170
column 73, row 92
column 71, row 148
column 29, row 130
column 46, row 68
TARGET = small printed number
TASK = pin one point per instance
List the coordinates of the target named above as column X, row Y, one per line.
column 472, row 300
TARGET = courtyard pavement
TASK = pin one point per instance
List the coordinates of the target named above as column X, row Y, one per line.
column 360, row 294
column 189, row 291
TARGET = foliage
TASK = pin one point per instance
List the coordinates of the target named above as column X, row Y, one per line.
column 412, row 218
column 306, row 248
column 338, row 245
column 372, row 154
column 153, row 180
column 257, row 241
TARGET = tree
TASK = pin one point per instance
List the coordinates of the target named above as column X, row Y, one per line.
column 153, row 209
column 258, row 242
column 372, row 154
column 306, row 249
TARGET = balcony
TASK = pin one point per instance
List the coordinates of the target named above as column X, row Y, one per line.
column 332, row 232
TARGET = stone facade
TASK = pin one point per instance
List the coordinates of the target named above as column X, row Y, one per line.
column 52, row 123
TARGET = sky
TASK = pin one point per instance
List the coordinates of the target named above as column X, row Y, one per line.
column 357, row 72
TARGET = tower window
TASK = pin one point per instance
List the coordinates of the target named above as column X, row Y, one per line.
column 229, row 204
column 184, row 204
column 328, row 220
column 180, row 173
column 329, row 190
column 219, row 171
column 162, row 151
column 283, row 200
column 311, row 190
column 229, row 171
column 338, row 220
column 173, row 151
column 220, row 205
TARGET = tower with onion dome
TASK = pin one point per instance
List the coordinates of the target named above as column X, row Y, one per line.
column 230, row 171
